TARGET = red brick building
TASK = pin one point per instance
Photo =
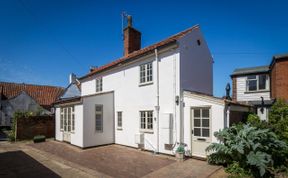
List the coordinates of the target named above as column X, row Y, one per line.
column 261, row 86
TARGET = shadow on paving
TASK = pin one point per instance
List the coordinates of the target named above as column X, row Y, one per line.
column 112, row 160
column 19, row 164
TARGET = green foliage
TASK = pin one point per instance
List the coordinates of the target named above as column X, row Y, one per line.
column 254, row 120
column 236, row 171
column 278, row 119
column 18, row 115
column 39, row 138
column 254, row 149
column 180, row 149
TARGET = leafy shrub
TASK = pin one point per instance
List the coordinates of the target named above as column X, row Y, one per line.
column 16, row 116
column 236, row 171
column 180, row 149
column 278, row 119
column 256, row 150
column 39, row 138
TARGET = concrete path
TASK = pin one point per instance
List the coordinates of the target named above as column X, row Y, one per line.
column 47, row 164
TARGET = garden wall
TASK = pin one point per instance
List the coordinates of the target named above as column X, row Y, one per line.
column 31, row 126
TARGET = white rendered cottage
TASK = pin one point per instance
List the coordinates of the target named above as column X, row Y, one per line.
column 154, row 97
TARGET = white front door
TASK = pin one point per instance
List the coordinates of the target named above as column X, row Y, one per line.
column 67, row 124
column 200, row 130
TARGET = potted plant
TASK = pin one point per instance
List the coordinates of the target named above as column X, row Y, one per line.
column 180, row 152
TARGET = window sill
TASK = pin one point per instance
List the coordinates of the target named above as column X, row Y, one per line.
column 120, row 128
column 146, row 83
column 146, row 131
column 258, row 91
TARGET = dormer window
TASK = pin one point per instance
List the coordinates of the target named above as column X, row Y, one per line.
column 257, row 82
column 99, row 84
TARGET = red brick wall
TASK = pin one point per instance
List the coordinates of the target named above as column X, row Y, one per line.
column 132, row 40
column 27, row 128
column 234, row 89
column 279, row 80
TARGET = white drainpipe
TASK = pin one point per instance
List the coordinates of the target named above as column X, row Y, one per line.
column 157, row 97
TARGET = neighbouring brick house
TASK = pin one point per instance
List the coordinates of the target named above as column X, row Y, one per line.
column 260, row 86
column 26, row 97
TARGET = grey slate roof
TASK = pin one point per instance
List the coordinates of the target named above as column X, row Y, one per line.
column 250, row 70
column 281, row 56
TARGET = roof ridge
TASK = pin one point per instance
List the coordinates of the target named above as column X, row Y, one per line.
column 252, row 67
column 29, row 84
column 142, row 50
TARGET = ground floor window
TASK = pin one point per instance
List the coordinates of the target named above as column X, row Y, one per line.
column 146, row 120
column 99, row 118
column 119, row 120
column 67, row 119
column 201, row 122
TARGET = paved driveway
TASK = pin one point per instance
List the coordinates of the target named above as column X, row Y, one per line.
column 112, row 160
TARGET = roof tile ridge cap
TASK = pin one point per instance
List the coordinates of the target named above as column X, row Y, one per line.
column 177, row 35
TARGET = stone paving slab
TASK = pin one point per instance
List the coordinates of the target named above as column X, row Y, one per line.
column 190, row 168
column 58, row 167
column 112, row 160
column 129, row 162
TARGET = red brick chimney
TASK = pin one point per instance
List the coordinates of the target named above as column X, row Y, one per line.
column 132, row 38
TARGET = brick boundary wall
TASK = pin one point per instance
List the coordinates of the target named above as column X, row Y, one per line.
column 29, row 127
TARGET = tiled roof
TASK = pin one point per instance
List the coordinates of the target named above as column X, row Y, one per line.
column 250, row 70
column 43, row 95
column 142, row 51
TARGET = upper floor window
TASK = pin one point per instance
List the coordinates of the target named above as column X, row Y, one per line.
column 146, row 73
column 257, row 82
column 99, row 84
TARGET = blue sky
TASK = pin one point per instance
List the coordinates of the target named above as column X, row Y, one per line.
column 43, row 41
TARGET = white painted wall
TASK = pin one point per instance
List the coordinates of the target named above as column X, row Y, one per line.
column 90, row 135
column 131, row 98
column 58, row 132
column 217, row 115
column 77, row 135
column 196, row 63
column 242, row 95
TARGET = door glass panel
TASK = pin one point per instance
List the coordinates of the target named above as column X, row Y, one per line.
column 201, row 122
column 205, row 132
column 197, row 132
column 205, row 113
column 197, row 113
column 196, row 122
column 205, row 122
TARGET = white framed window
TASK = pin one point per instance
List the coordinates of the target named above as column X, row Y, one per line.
column 201, row 122
column 61, row 118
column 146, row 121
column 257, row 82
column 99, row 118
column 146, row 73
column 73, row 119
column 119, row 120
column 67, row 119
column 99, row 84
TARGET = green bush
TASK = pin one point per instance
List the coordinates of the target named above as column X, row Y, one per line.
column 236, row 171
column 258, row 151
column 39, row 138
column 278, row 119
column 17, row 115
column 180, row 149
